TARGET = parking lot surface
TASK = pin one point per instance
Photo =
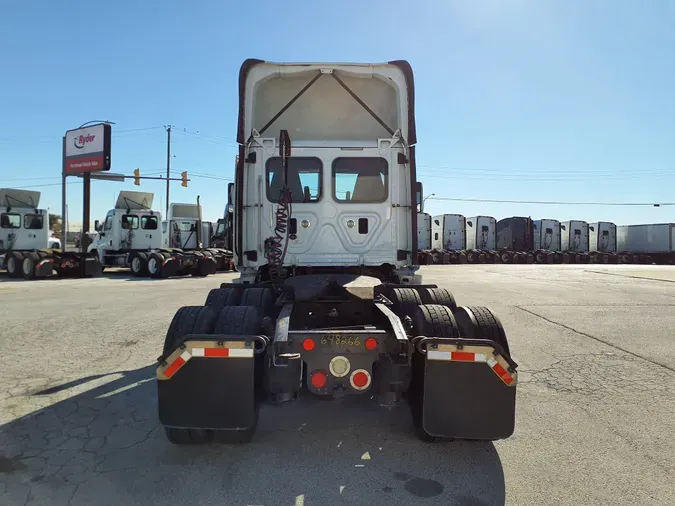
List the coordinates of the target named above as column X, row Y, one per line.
column 595, row 408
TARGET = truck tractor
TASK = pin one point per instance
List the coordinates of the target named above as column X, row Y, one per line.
column 131, row 237
column 184, row 229
column 27, row 248
column 329, row 301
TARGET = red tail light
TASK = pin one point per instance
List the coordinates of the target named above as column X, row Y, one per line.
column 318, row 379
column 308, row 344
column 371, row 343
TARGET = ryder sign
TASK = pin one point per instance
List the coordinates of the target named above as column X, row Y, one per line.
column 87, row 149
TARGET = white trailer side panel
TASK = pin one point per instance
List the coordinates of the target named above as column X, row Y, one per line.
column 574, row 236
column 481, row 233
column 602, row 237
column 656, row 238
column 448, row 232
column 547, row 235
column 423, row 231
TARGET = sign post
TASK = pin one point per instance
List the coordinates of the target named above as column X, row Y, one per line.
column 85, row 150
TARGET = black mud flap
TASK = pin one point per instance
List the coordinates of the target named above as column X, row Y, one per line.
column 90, row 266
column 209, row 383
column 469, row 389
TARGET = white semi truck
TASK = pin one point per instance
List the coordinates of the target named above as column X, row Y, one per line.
column 131, row 237
column 28, row 248
column 329, row 299
column 184, row 229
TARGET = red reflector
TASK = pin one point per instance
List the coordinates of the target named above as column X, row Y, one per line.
column 502, row 373
column 308, row 344
column 319, row 379
column 216, row 352
column 371, row 343
column 360, row 379
column 175, row 365
column 463, row 356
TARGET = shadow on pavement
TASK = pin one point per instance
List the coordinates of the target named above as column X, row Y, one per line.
column 105, row 446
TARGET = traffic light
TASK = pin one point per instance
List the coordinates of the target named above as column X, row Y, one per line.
column 183, row 175
column 137, row 177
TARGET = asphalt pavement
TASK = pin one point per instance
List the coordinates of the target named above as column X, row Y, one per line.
column 595, row 407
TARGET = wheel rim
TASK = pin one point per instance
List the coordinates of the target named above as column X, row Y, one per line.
column 136, row 264
column 11, row 265
column 27, row 265
column 152, row 265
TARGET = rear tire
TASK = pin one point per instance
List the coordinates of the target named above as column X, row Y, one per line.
column 262, row 298
column 13, row 264
column 440, row 296
column 405, row 301
column 477, row 322
column 29, row 265
column 430, row 320
column 218, row 298
column 139, row 265
column 189, row 320
column 155, row 265
column 238, row 320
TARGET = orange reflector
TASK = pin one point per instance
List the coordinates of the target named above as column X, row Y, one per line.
column 319, row 379
column 308, row 344
column 371, row 343
column 500, row 371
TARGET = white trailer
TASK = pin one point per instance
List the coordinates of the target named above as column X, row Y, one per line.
column 574, row 236
column 27, row 247
column 653, row 238
column 131, row 237
column 481, row 233
column 602, row 237
column 423, row 231
column 547, row 235
column 448, row 232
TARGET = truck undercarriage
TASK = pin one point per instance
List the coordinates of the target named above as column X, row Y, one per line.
column 334, row 336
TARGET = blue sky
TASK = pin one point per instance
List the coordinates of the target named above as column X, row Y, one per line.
column 516, row 100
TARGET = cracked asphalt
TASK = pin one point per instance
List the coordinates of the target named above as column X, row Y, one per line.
column 595, row 405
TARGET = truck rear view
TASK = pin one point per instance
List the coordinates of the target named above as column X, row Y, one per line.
column 328, row 301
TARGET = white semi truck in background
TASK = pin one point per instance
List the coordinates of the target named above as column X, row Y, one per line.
column 131, row 237
column 27, row 246
column 185, row 230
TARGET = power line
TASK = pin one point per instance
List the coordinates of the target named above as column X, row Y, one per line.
column 557, row 203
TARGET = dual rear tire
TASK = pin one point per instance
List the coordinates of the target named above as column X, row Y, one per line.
column 226, row 312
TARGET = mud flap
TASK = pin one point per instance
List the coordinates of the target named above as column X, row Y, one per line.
column 209, row 383
column 90, row 266
column 469, row 389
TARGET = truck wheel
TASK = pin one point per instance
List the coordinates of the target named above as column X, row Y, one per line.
column 238, row 320
column 262, row 298
column 435, row 320
column 405, row 301
column 430, row 320
column 477, row 322
column 440, row 296
column 154, row 265
column 13, row 264
column 139, row 265
column 28, row 265
column 218, row 298
column 188, row 320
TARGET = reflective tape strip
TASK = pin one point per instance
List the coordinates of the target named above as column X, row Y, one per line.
column 177, row 364
column 500, row 371
column 222, row 352
column 456, row 356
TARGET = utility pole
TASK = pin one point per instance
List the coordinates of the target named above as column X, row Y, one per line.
column 168, row 165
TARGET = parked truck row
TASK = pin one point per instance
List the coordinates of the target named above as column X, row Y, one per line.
column 132, row 236
column 453, row 238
